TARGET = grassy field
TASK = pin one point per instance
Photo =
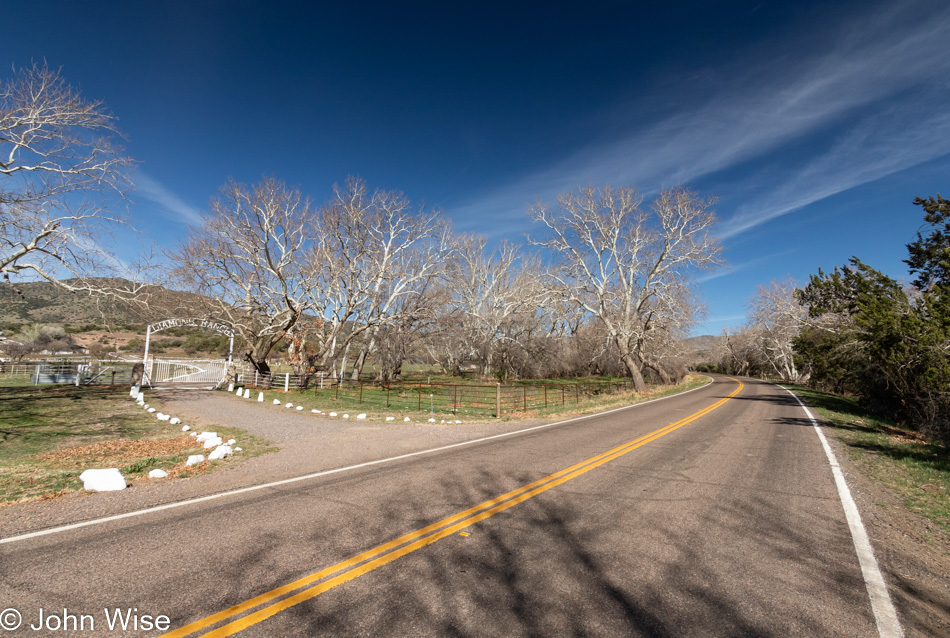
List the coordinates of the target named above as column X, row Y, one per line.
column 50, row 434
column 470, row 401
column 916, row 469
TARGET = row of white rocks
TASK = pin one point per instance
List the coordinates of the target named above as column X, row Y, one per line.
column 246, row 393
column 111, row 479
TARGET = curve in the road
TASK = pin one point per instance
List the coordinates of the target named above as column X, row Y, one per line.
column 390, row 551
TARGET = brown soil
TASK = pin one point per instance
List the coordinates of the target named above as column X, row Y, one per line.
column 119, row 450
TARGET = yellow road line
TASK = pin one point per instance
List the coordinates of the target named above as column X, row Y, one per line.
column 413, row 541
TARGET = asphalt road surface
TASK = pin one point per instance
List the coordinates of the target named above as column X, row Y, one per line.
column 712, row 513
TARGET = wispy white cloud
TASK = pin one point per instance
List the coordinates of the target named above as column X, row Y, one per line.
column 895, row 140
column 731, row 269
column 154, row 191
column 862, row 86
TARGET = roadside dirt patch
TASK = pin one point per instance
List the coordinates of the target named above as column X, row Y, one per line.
column 119, row 450
column 914, row 554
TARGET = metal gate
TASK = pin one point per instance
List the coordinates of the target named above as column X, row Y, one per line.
column 199, row 372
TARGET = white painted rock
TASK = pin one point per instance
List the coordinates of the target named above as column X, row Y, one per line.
column 260, row 397
column 247, row 393
column 231, row 441
column 360, row 416
column 165, row 417
column 457, row 421
column 204, row 436
column 431, row 420
column 185, row 428
column 140, row 397
column 175, row 420
column 157, row 474
column 442, row 421
column 108, row 480
column 299, row 407
column 215, row 442
column 390, row 418
column 239, row 391
column 140, row 402
column 220, row 452
column 145, row 405
column 346, row 416
column 195, row 434
column 276, row 401
column 237, row 449
column 288, row 405
column 333, row 414
column 195, row 459
column 230, row 387
column 315, row 411
column 406, row 420
column 151, row 410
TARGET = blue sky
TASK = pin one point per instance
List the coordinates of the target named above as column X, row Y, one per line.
column 814, row 123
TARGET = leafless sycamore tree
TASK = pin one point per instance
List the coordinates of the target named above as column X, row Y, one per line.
column 775, row 320
column 60, row 169
column 248, row 262
column 628, row 265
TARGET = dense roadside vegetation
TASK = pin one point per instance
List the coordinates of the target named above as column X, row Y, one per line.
column 857, row 332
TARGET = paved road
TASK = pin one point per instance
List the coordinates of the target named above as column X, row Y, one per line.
column 728, row 525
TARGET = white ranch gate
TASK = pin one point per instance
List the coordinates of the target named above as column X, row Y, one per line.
column 201, row 372
column 185, row 372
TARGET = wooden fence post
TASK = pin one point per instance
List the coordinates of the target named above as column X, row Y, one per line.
column 497, row 400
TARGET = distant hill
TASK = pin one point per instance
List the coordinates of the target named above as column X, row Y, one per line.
column 702, row 349
column 44, row 302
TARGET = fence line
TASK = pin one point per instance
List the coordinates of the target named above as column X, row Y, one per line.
column 85, row 373
column 457, row 398
column 446, row 397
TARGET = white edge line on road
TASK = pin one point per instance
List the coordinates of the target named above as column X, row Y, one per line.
column 888, row 625
column 253, row 488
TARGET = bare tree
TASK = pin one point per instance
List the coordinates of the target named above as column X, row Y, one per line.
column 627, row 266
column 776, row 318
column 60, row 170
column 492, row 293
column 405, row 252
column 248, row 259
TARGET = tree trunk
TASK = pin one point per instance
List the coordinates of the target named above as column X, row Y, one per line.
column 634, row 369
column 261, row 365
column 665, row 378
column 361, row 358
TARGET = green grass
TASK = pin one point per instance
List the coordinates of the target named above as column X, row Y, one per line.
column 468, row 401
column 50, row 434
column 914, row 468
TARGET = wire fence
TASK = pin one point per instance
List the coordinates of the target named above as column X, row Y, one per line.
column 474, row 399
column 455, row 398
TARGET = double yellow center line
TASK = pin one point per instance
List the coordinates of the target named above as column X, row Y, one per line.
column 386, row 553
